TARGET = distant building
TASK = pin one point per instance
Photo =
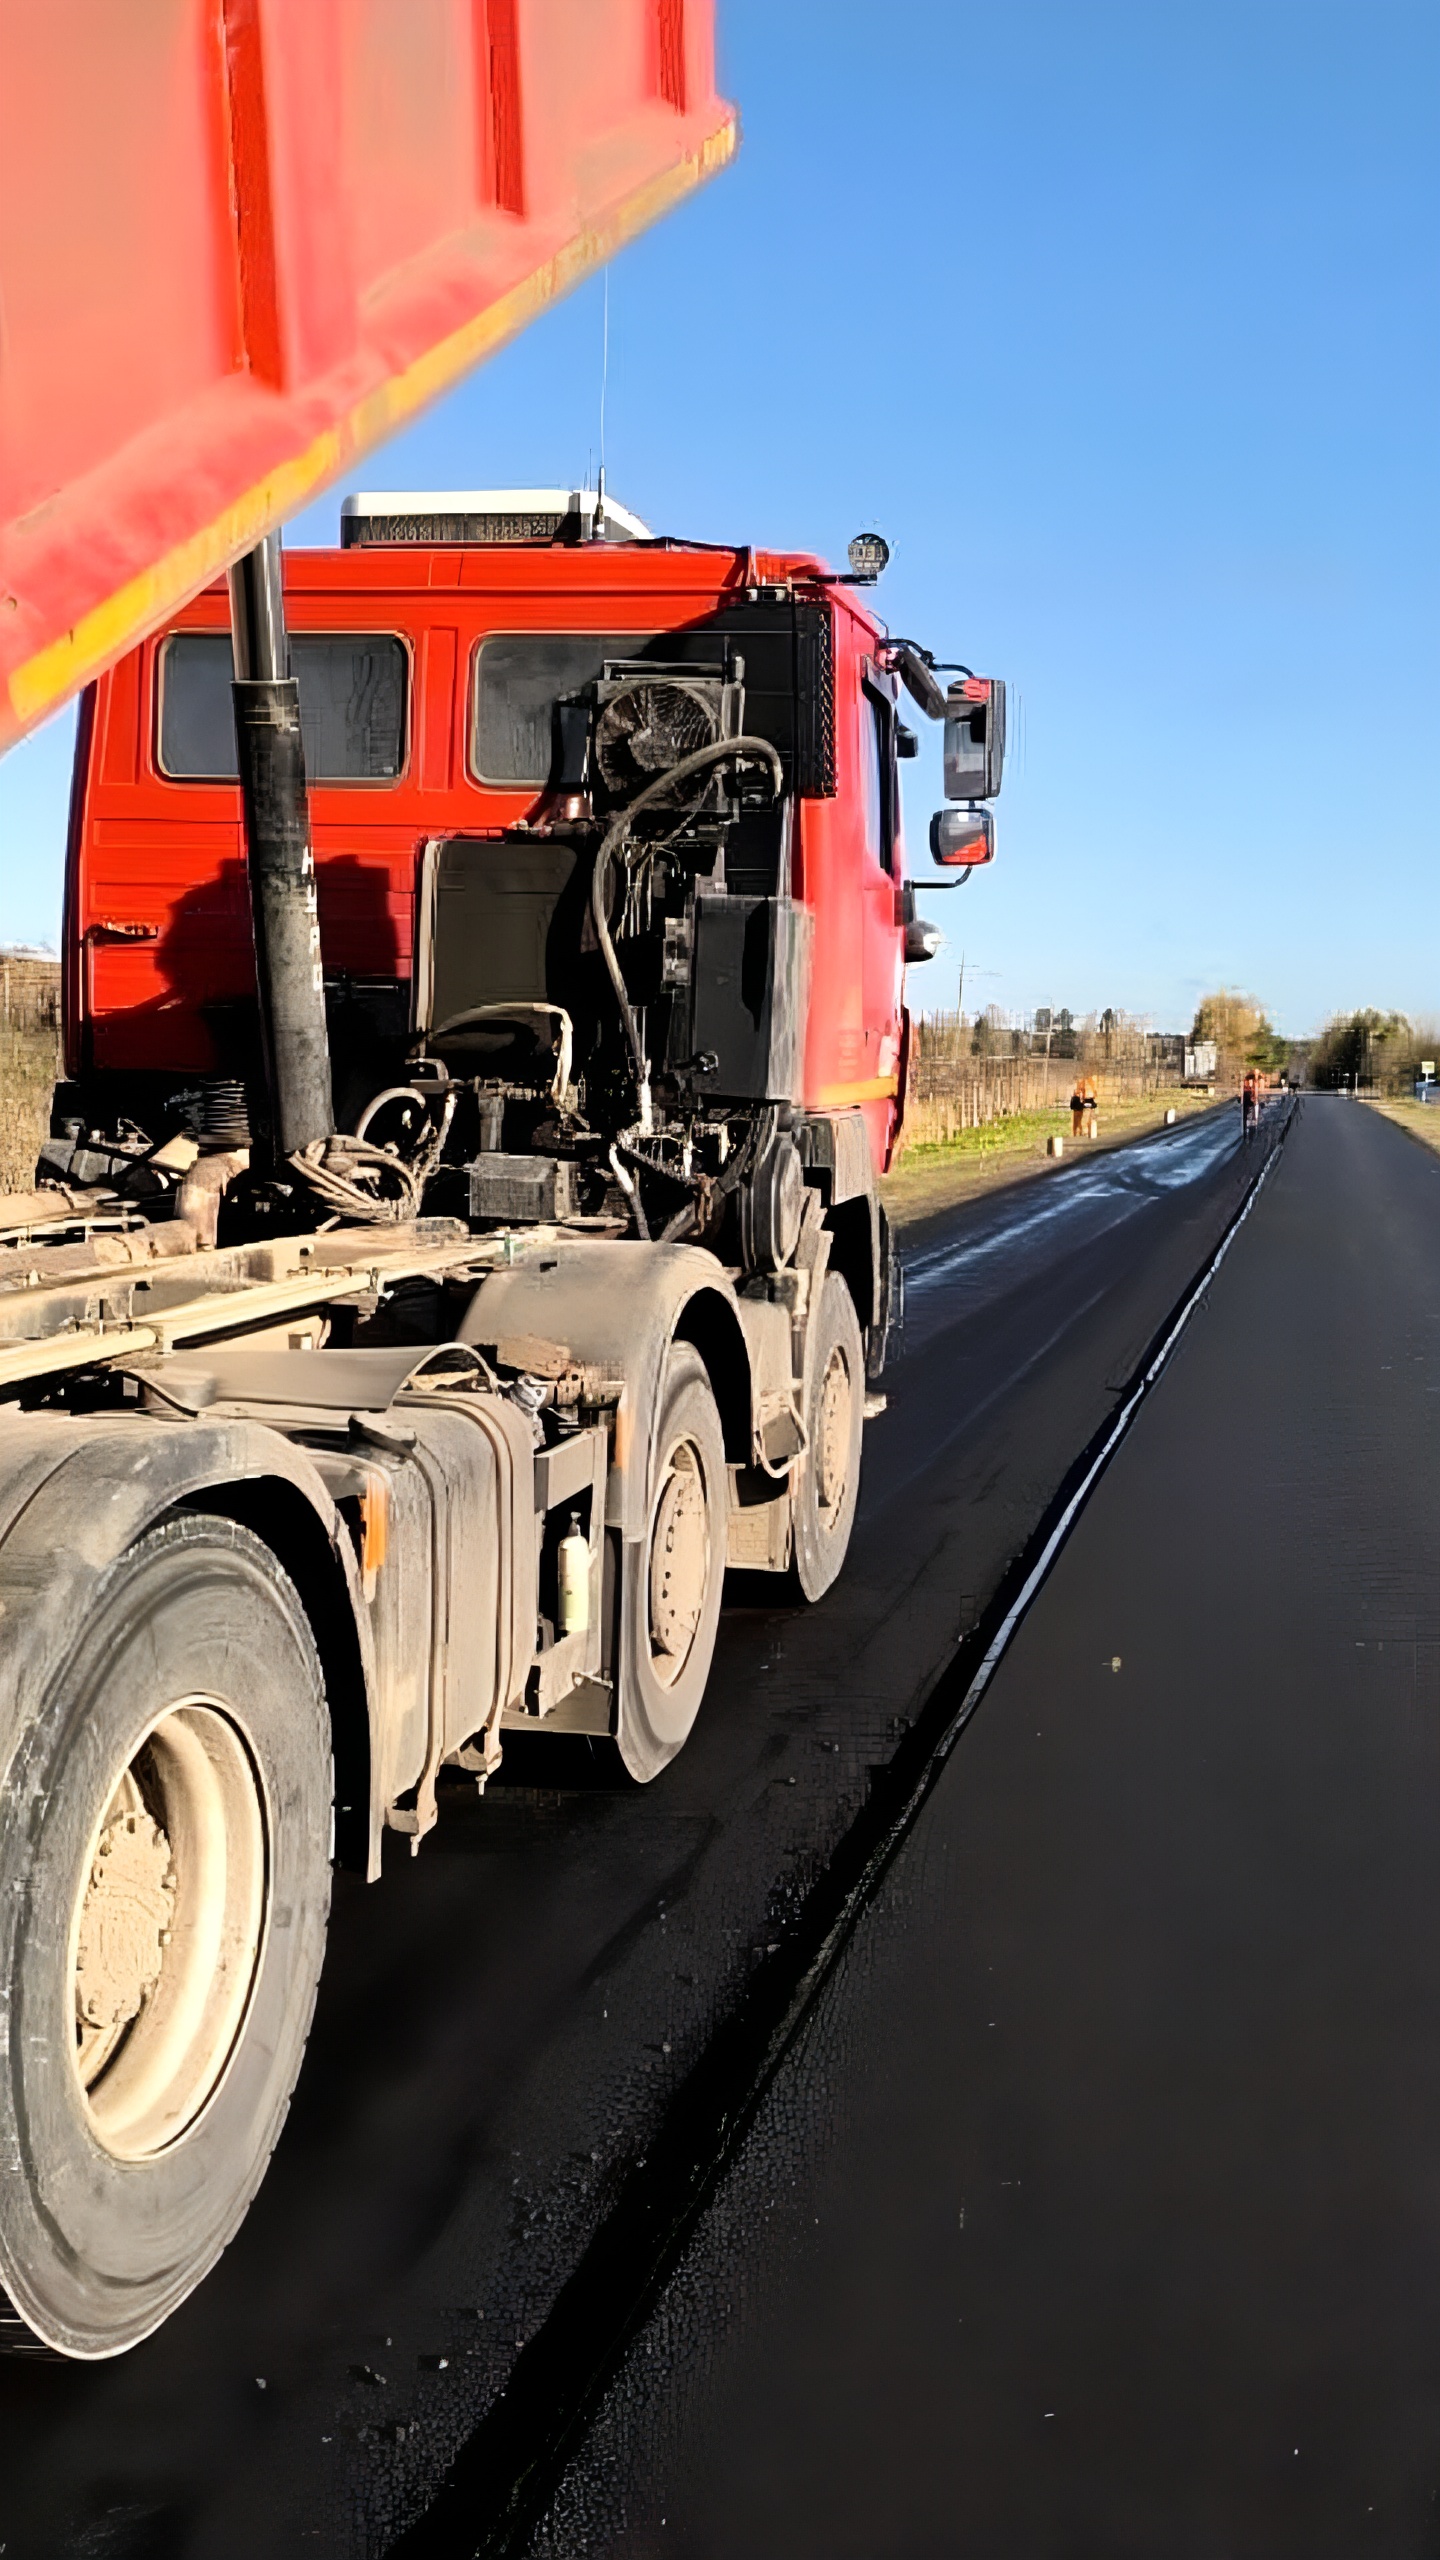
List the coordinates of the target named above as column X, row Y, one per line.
column 1202, row 1061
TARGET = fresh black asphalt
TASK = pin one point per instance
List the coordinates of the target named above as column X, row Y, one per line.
column 1096, row 2210
column 504, row 2020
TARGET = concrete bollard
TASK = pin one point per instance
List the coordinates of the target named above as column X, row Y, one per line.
column 1170, row 1117
column 1054, row 1146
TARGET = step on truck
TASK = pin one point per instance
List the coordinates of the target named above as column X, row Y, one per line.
column 458, row 1244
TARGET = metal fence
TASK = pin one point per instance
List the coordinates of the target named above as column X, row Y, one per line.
column 29, row 992
column 950, row 1094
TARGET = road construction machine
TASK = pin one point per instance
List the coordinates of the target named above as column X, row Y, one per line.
column 457, row 1246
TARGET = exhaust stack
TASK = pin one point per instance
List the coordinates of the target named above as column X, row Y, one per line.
column 280, row 860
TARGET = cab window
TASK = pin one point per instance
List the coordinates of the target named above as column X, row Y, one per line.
column 878, row 788
column 519, row 678
column 354, row 689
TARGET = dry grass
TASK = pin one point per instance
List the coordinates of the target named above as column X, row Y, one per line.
column 29, row 1065
column 937, row 1170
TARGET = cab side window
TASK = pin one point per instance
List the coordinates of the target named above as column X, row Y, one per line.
column 878, row 784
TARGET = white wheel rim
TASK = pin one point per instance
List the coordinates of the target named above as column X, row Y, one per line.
column 166, row 1929
column 679, row 1562
column 834, row 1419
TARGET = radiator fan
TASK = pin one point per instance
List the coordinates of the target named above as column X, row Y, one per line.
column 648, row 726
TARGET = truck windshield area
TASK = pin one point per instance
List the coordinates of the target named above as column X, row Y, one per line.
column 519, row 678
column 354, row 689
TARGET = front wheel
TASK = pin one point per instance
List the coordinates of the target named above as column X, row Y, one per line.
column 164, row 1889
column 674, row 1575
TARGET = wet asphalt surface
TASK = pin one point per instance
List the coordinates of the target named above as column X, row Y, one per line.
column 504, row 2021
column 1096, row 2208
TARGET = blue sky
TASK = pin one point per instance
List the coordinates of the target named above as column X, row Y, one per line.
column 1121, row 319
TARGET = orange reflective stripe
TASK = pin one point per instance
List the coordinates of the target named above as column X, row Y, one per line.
column 831, row 1097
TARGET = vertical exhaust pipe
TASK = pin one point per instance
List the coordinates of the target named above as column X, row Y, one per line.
column 280, row 860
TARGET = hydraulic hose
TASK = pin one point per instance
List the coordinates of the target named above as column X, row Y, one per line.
column 721, row 751
column 560, row 1089
column 331, row 1169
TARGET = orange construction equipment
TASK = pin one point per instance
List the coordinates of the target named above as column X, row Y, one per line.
column 243, row 241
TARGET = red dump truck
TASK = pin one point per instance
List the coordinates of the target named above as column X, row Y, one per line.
column 457, row 1244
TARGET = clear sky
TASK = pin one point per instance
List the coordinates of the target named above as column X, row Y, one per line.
column 1121, row 319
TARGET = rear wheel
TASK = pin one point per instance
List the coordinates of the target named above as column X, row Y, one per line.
column 164, row 1876
column 674, row 1575
column 829, row 1473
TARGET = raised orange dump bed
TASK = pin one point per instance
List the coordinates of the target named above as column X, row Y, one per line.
column 415, row 668
column 244, row 241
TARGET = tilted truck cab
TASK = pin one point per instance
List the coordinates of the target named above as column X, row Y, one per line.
column 324, row 1467
column 433, row 680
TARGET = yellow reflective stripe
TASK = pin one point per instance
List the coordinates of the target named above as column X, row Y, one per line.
column 40, row 684
column 101, row 636
column 875, row 1089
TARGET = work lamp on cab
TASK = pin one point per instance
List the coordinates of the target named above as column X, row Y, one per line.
column 869, row 557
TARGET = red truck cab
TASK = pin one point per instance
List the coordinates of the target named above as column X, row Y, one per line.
column 431, row 650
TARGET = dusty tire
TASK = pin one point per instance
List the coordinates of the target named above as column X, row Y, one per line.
column 164, row 1889
column 672, row 1577
column 829, row 1474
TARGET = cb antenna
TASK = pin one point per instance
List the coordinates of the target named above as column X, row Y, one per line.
column 604, row 384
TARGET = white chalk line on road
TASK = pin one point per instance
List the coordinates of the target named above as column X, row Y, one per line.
column 1005, row 1632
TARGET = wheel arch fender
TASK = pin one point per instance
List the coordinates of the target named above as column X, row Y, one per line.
column 857, row 1252
column 77, row 1492
column 620, row 1305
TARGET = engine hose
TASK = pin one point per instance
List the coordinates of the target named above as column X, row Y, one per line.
column 330, row 1166
column 427, row 1155
column 721, row 751
column 631, row 1189
column 682, row 1219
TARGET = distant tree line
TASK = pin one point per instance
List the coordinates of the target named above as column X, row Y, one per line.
column 1243, row 1033
column 1380, row 1050
column 1110, row 1038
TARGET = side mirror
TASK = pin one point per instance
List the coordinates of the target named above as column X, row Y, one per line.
column 962, row 838
column 906, row 742
column 974, row 738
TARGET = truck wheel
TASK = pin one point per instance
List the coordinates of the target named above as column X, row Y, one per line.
column 674, row 1575
column 829, row 1475
column 164, row 1886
